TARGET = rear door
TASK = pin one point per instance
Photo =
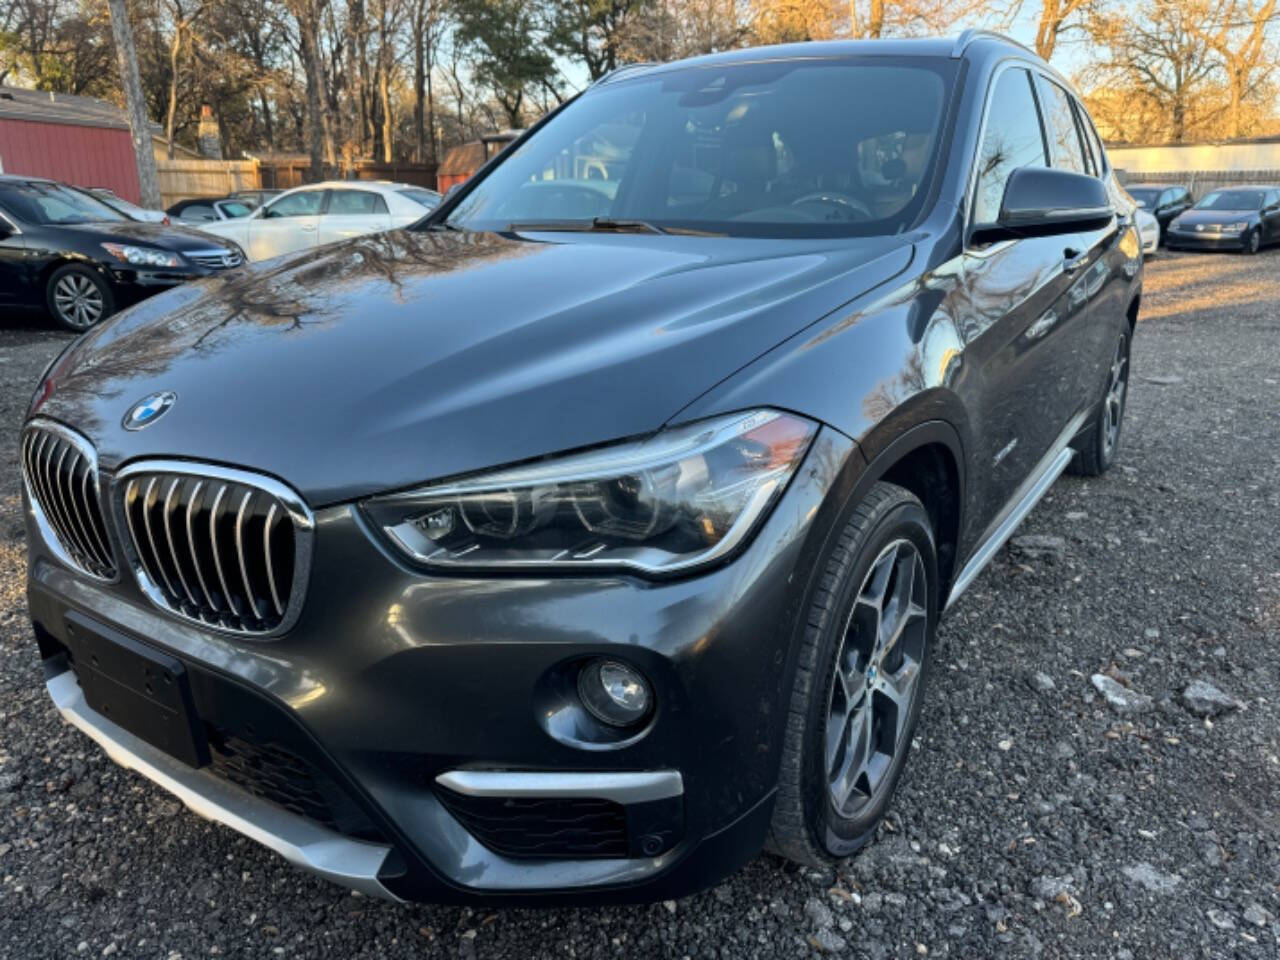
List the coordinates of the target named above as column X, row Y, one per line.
column 286, row 225
column 1099, row 287
column 353, row 213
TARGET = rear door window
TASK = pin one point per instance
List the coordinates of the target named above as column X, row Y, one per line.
column 1060, row 124
column 355, row 203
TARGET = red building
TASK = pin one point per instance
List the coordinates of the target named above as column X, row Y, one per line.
column 79, row 140
column 465, row 159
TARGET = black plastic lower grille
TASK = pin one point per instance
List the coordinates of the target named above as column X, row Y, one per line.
column 537, row 828
column 272, row 773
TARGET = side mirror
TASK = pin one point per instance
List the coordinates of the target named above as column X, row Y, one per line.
column 452, row 190
column 1039, row 201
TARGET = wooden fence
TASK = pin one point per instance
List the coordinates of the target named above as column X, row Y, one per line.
column 181, row 177
column 1200, row 182
column 184, row 177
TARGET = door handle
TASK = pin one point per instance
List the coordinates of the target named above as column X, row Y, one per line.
column 1073, row 260
column 309, row 227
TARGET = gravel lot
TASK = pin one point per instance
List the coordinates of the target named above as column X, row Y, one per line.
column 1037, row 817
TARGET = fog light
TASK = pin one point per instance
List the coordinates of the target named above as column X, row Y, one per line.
column 614, row 693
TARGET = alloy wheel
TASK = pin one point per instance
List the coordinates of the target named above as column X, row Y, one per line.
column 1254, row 241
column 877, row 674
column 1113, row 406
column 78, row 300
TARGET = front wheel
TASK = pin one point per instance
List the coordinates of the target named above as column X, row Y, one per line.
column 1096, row 448
column 1253, row 241
column 78, row 298
column 859, row 679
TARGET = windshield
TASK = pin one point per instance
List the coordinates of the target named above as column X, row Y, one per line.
column 1231, row 200
column 783, row 148
column 52, row 204
column 1144, row 198
column 234, row 209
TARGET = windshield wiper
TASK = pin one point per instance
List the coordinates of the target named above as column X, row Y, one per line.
column 600, row 225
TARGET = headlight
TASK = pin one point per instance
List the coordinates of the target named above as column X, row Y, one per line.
column 143, row 256
column 1240, row 227
column 681, row 498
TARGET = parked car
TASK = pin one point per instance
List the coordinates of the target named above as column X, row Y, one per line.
column 130, row 210
column 1148, row 231
column 63, row 249
column 1164, row 201
column 577, row 557
column 201, row 210
column 309, row 216
column 1238, row 218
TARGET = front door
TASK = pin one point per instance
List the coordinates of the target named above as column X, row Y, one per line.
column 287, row 225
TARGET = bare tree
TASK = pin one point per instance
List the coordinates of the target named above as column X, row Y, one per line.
column 306, row 13
column 1238, row 36
column 182, row 24
column 1160, row 52
column 135, row 104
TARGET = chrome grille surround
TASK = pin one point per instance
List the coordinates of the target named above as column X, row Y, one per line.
column 219, row 259
column 224, row 548
column 60, row 474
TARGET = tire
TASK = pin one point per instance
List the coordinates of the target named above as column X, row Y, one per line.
column 886, row 534
column 1096, row 449
column 78, row 298
column 1253, row 242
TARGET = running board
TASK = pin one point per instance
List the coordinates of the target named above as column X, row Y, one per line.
column 1004, row 531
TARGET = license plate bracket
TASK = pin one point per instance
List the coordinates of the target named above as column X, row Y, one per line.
column 140, row 688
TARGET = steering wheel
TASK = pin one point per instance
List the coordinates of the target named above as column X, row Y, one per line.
column 851, row 208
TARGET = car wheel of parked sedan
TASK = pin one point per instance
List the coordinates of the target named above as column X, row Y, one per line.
column 1096, row 449
column 1253, row 242
column 859, row 679
column 78, row 298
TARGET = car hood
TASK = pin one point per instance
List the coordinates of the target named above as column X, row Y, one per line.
column 389, row 360
column 1191, row 217
column 180, row 239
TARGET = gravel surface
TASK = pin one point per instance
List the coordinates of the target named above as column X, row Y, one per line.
column 1097, row 771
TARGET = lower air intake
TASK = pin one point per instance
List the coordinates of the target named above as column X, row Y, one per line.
column 564, row 828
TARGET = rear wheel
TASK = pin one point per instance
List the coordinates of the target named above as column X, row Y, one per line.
column 78, row 298
column 859, row 679
column 1096, row 449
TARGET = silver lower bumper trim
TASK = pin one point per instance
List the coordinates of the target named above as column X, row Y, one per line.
column 622, row 787
column 352, row 863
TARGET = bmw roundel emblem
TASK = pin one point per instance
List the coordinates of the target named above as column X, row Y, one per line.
column 149, row 409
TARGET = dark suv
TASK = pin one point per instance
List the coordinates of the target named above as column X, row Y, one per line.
column 593, row 533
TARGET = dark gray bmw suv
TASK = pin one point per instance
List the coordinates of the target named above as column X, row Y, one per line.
column 592, row 534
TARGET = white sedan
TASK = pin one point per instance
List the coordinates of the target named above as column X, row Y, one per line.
column 309, row 216
column 1149, row 231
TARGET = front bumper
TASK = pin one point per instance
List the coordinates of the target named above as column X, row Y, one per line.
column 406, row 692
column 1183, row 240
column 131, row 284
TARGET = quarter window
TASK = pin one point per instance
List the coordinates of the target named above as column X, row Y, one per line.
column 1012, row 139
column 1060, row 125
